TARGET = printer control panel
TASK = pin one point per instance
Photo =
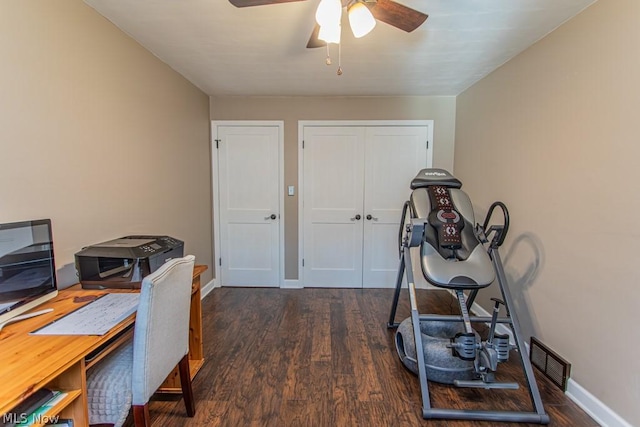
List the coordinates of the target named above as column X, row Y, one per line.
column 149, row 249
column 158, row 244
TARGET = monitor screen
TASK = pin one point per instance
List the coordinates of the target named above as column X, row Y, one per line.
column 27, row 267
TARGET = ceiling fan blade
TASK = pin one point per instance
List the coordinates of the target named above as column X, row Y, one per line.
column 314, row 41
column 397, row 15
column 248, row 3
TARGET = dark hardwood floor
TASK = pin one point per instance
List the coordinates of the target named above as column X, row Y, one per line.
column 324, row 357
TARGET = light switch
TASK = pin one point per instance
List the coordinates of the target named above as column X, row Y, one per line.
column 291, row 190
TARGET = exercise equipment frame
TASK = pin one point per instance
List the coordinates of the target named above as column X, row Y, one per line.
column 413, row 238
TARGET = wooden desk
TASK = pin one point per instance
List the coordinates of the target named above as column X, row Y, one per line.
column 30, row 362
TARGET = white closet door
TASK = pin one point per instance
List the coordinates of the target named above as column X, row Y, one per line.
column 248, row 174
column 333, row 162
column 393, row 157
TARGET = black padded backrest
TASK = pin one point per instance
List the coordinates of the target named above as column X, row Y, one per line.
column 433, row 176
column 421, row 207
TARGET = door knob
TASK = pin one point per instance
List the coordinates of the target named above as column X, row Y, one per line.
column 356, row 218
column 370, row 217
column 272, row 216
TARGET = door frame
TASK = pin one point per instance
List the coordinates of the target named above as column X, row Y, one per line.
column 215, row 190
column 332, row 123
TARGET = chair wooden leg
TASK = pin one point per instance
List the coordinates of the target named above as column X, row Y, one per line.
column 141, row 415
column 185, row 383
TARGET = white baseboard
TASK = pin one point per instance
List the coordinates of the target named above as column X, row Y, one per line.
column 291, row 284
column 206, row 289
column 596, row 409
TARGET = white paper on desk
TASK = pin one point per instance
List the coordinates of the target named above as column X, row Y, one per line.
column 95, row 318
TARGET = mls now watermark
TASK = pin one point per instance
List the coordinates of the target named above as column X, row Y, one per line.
column 24, row 418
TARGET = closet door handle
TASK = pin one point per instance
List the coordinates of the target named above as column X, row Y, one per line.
column 370, row 217
column 272, row 216
column 356, row 218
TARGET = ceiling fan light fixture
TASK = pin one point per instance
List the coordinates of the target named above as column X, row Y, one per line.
column 330, row 33
column 361, row 19
column 329, row 12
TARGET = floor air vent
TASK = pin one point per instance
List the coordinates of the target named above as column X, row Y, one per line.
column 550, row 363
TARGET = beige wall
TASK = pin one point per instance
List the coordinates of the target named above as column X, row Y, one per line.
column 554, row 134
column 292, row 109
column 98, row 134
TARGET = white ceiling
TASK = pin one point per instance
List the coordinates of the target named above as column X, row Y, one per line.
column 261, row 50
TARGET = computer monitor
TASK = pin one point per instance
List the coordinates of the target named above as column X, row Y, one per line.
column 27, row 267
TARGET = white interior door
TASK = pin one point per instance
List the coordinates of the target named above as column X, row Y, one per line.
column 356, row 180
column 333, row 162
column 393, row 157
column 249, row 205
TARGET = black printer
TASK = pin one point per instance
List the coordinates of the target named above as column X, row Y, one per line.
column 123, row 262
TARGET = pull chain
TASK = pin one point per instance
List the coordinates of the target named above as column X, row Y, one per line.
column 328, row 60
column 339, row 72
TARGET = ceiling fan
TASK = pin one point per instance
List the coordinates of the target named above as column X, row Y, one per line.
column 387, row 11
